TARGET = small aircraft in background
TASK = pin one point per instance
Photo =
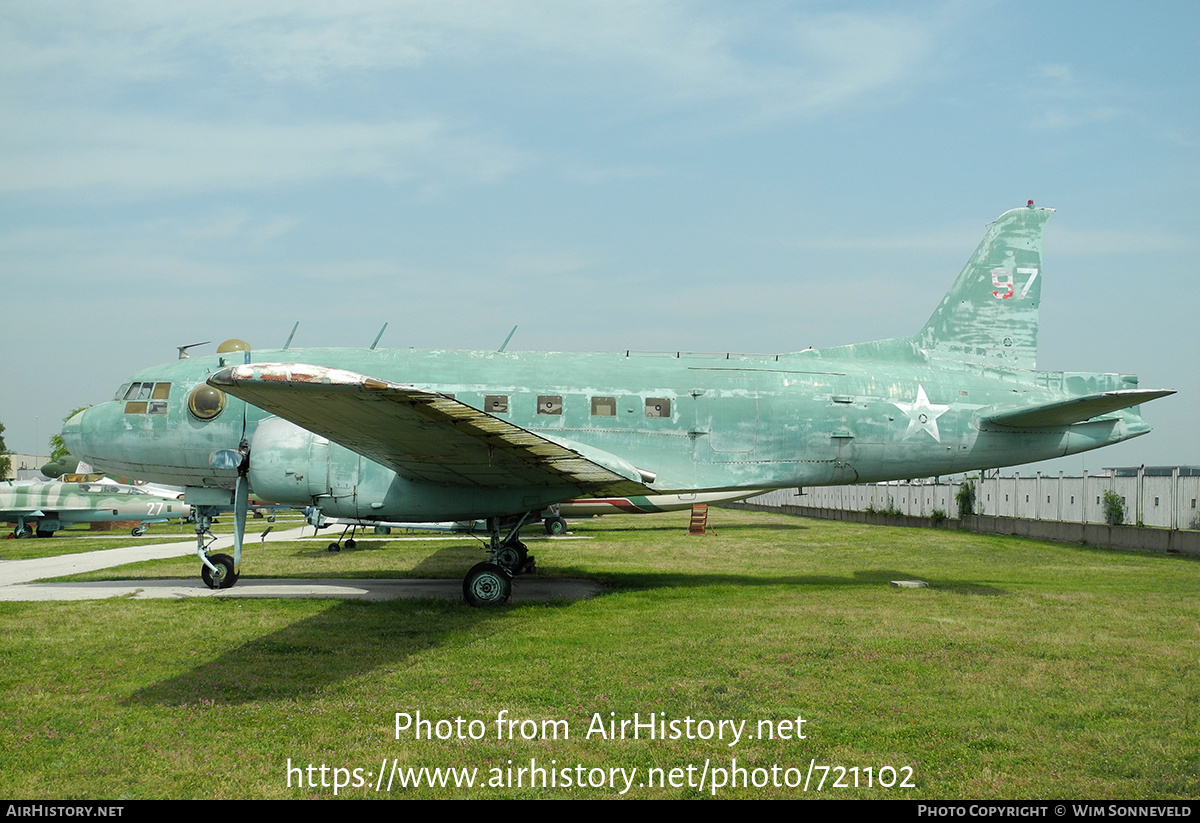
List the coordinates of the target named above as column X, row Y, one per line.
column 410, row 435
column 554, row 519
column 45, row 508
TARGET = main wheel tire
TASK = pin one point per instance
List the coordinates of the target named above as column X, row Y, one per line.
column 224, row 577
column 555, row 525
column 486, row 584
column 45, row 533
column 351, row 543
column 334, row 547
column 512, row 557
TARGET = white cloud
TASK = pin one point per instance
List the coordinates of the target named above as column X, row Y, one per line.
column 1120, row 241
column 1057, row 118
column 686, row 52
column 144, row 153
column 155, row 98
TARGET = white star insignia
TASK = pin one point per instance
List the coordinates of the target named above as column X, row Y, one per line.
column 922, row 415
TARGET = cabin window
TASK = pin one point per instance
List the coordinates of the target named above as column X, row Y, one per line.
column 658, row 407
column 550, row 404
column 604, row 407
column 496, row 404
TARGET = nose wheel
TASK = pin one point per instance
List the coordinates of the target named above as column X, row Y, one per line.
column 223, row 575
column 218, row 571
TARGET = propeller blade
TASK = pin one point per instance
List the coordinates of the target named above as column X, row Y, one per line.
column 241, row 502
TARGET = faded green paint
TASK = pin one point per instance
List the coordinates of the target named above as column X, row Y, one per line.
column 411, row 439
column 52, row 506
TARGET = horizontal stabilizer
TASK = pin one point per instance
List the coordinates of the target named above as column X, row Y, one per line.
column 1075, row 410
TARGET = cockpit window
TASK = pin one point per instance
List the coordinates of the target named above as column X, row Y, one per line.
column 145, row 398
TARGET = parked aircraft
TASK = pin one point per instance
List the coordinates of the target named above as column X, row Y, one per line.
column 48, row 507
column 554, row 519
column 409, row 435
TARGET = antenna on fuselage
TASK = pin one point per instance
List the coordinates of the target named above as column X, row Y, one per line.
column 183, row 355
column 504, row 345
column 376, row 343
column 290, row 336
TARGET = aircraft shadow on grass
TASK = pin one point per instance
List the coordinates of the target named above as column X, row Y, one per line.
column 354, row 638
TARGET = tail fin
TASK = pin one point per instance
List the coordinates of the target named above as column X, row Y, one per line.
column 990, row 314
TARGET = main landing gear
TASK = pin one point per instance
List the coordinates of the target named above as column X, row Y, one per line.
column 490, row 583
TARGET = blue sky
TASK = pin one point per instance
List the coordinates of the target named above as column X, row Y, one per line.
column 754, row 177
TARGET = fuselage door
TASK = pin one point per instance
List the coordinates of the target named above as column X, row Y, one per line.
column 726, row 418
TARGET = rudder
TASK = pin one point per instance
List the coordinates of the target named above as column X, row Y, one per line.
column 990, row 314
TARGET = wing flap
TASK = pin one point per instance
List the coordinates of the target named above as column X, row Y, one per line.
column 422, row 435
column 1074, row 410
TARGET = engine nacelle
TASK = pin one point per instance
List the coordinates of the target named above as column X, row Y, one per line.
column 291, row 465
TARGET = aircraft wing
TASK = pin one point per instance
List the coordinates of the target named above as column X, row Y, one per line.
column 20, row 513
column 422, row 435
column 1074, row 410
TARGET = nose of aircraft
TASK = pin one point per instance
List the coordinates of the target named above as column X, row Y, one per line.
column 72, row 432
column 92, row 436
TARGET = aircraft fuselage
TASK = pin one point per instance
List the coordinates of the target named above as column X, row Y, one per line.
column 696, row 421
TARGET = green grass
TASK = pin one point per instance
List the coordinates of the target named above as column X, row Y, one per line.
column 1026, row 670
column 81, row 538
